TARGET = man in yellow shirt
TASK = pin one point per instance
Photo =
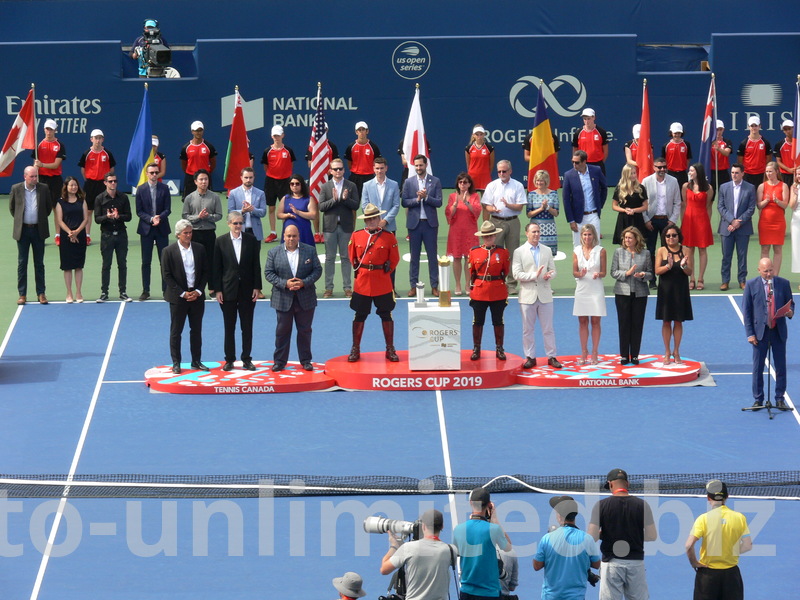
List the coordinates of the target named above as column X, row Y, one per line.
column 725, row 535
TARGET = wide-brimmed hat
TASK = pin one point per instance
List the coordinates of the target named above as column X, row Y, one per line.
column 350, row 584
column 370, row 210
column 487, row 228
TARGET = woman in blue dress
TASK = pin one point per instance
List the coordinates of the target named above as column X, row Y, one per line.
column 297, row 208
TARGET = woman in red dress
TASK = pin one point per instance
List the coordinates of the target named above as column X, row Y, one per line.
column 462, row 212
column 698, row 196
column 772, row 198
column 480, row 158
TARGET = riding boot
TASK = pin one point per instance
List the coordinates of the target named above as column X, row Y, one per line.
column 477, row 334
column 499, row 331
column 355, row 351
column 388, row 335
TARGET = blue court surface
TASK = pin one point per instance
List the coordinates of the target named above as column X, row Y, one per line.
column 74, row 403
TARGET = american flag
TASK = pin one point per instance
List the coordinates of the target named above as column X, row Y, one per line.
column 320, row 150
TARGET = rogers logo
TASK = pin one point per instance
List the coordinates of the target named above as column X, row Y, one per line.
column 524, row 93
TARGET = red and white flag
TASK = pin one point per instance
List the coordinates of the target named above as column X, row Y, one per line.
column 238, row 155
column 21, row 137
column 414, row 142
column 320, row 150
column 644, row 156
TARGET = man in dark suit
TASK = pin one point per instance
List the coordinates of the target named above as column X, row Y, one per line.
column 236, row 277
column 737, row 203
column 581, row 208
column 153, row 209
column 422, row 195
column 764, row 296
column 30, row 205
column 185, row 270
column 292, row 268
column 338, row 199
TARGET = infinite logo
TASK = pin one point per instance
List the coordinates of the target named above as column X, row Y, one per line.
column 524, row 93
column 411, row 60
column 763, row 94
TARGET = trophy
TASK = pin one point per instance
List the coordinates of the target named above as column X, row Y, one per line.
column 445, row 265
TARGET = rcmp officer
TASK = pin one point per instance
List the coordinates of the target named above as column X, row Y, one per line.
column 374, row 255
column 488, row 266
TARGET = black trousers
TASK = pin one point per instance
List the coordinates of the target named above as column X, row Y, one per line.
column 112, row 243
column 154, row 238
column 718, row 584
column 178, row 313
column 630, row 319
column 479, row 307
column 242, row 307
column 302, row 319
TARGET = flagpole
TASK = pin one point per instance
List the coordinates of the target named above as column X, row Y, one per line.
column 714, row 159
column 35, row 125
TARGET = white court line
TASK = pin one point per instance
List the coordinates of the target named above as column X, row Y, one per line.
column 766, row 361
column 124, row 381
column 10, row 330
column 76, row 457
column 448, row 471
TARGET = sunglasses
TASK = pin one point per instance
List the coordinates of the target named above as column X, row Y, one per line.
column 237, row 223
column 671, row 235
column 337, row 168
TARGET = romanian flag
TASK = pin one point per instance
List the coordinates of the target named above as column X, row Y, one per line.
column 543, row 151
column 141, row 153
column 644, row 156
column 21, row 137
column 238, row 156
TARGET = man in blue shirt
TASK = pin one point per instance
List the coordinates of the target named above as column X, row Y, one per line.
column 566, row 554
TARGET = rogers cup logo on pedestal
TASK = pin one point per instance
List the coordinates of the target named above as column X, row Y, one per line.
column 411, row 60
column 527, row 88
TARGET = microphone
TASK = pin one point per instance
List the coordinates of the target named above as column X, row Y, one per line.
column 769, row 287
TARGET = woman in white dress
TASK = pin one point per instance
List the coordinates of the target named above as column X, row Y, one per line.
column 589, row 268
column 794, row 206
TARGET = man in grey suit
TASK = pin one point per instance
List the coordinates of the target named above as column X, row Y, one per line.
column 737, row 203
column 338, row 198
column 663, row 205
column 236, row 277
column 30, row 205
column 292, row 268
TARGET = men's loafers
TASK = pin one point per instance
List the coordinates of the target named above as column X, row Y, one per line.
column 22, row 300
column 723, row 287
column 42, row 299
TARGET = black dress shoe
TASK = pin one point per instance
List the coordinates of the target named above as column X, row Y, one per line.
column 553, row 362
column 476, row 353
column 757, row 405
column 781, row 404
column 196, row 364
column 625, row 361
column 308, row 366
column 355, row 354
column 277, row 367
column 248, row 365
column 228, row 366
column 635, row 360
column 391, row 354
column 500, row 353
column 529, row 363
column 176, row 368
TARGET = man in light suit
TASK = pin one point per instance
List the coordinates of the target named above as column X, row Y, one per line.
column 384, row 193
column 236, row 277
column 338, row 199
column 580, row 207
column 763, row 297
column 185, row 270
column 153, row 208
column 533, row 267
column 292, row 268
column 422, row 195
column 30, row 205
column 251, row 202
column 737, row 203
column 663, row 205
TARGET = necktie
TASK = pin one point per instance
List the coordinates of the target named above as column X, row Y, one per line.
column 770, row 307
column 153, row 199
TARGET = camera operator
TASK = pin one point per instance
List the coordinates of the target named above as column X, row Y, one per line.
column 566, row 554
column 476, row 541
column 426, row 561
column 150, row 35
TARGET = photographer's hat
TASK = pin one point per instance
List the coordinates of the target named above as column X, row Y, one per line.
column 480, row 494
column 370, row 210
column 614, row 475
column 350, row 584
column 564, row 505
column 717, row 490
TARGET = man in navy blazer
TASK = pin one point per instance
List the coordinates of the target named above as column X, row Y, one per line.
column 737, row 203
column 153, row 206
column 292, row 268
column 251, row 202
column 763, row 332
column 579, row 208
column 422, row 195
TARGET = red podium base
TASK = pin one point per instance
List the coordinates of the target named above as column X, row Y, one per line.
column 374, row 372
column 609, row 373
column 239, row 381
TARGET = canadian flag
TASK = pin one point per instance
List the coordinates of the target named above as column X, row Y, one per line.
column 21, row 137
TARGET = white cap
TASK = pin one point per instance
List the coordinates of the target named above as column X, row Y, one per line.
column 361, row 124
column 277, row 130
column 50, row 124
column 478, row 129
column 676, row 127
column 197, row 125
column 588, row 112
column 155, row 140
column 97, row 132
column 720, row 124
column 754, row 120
column 786, row 123
column 636, row 129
